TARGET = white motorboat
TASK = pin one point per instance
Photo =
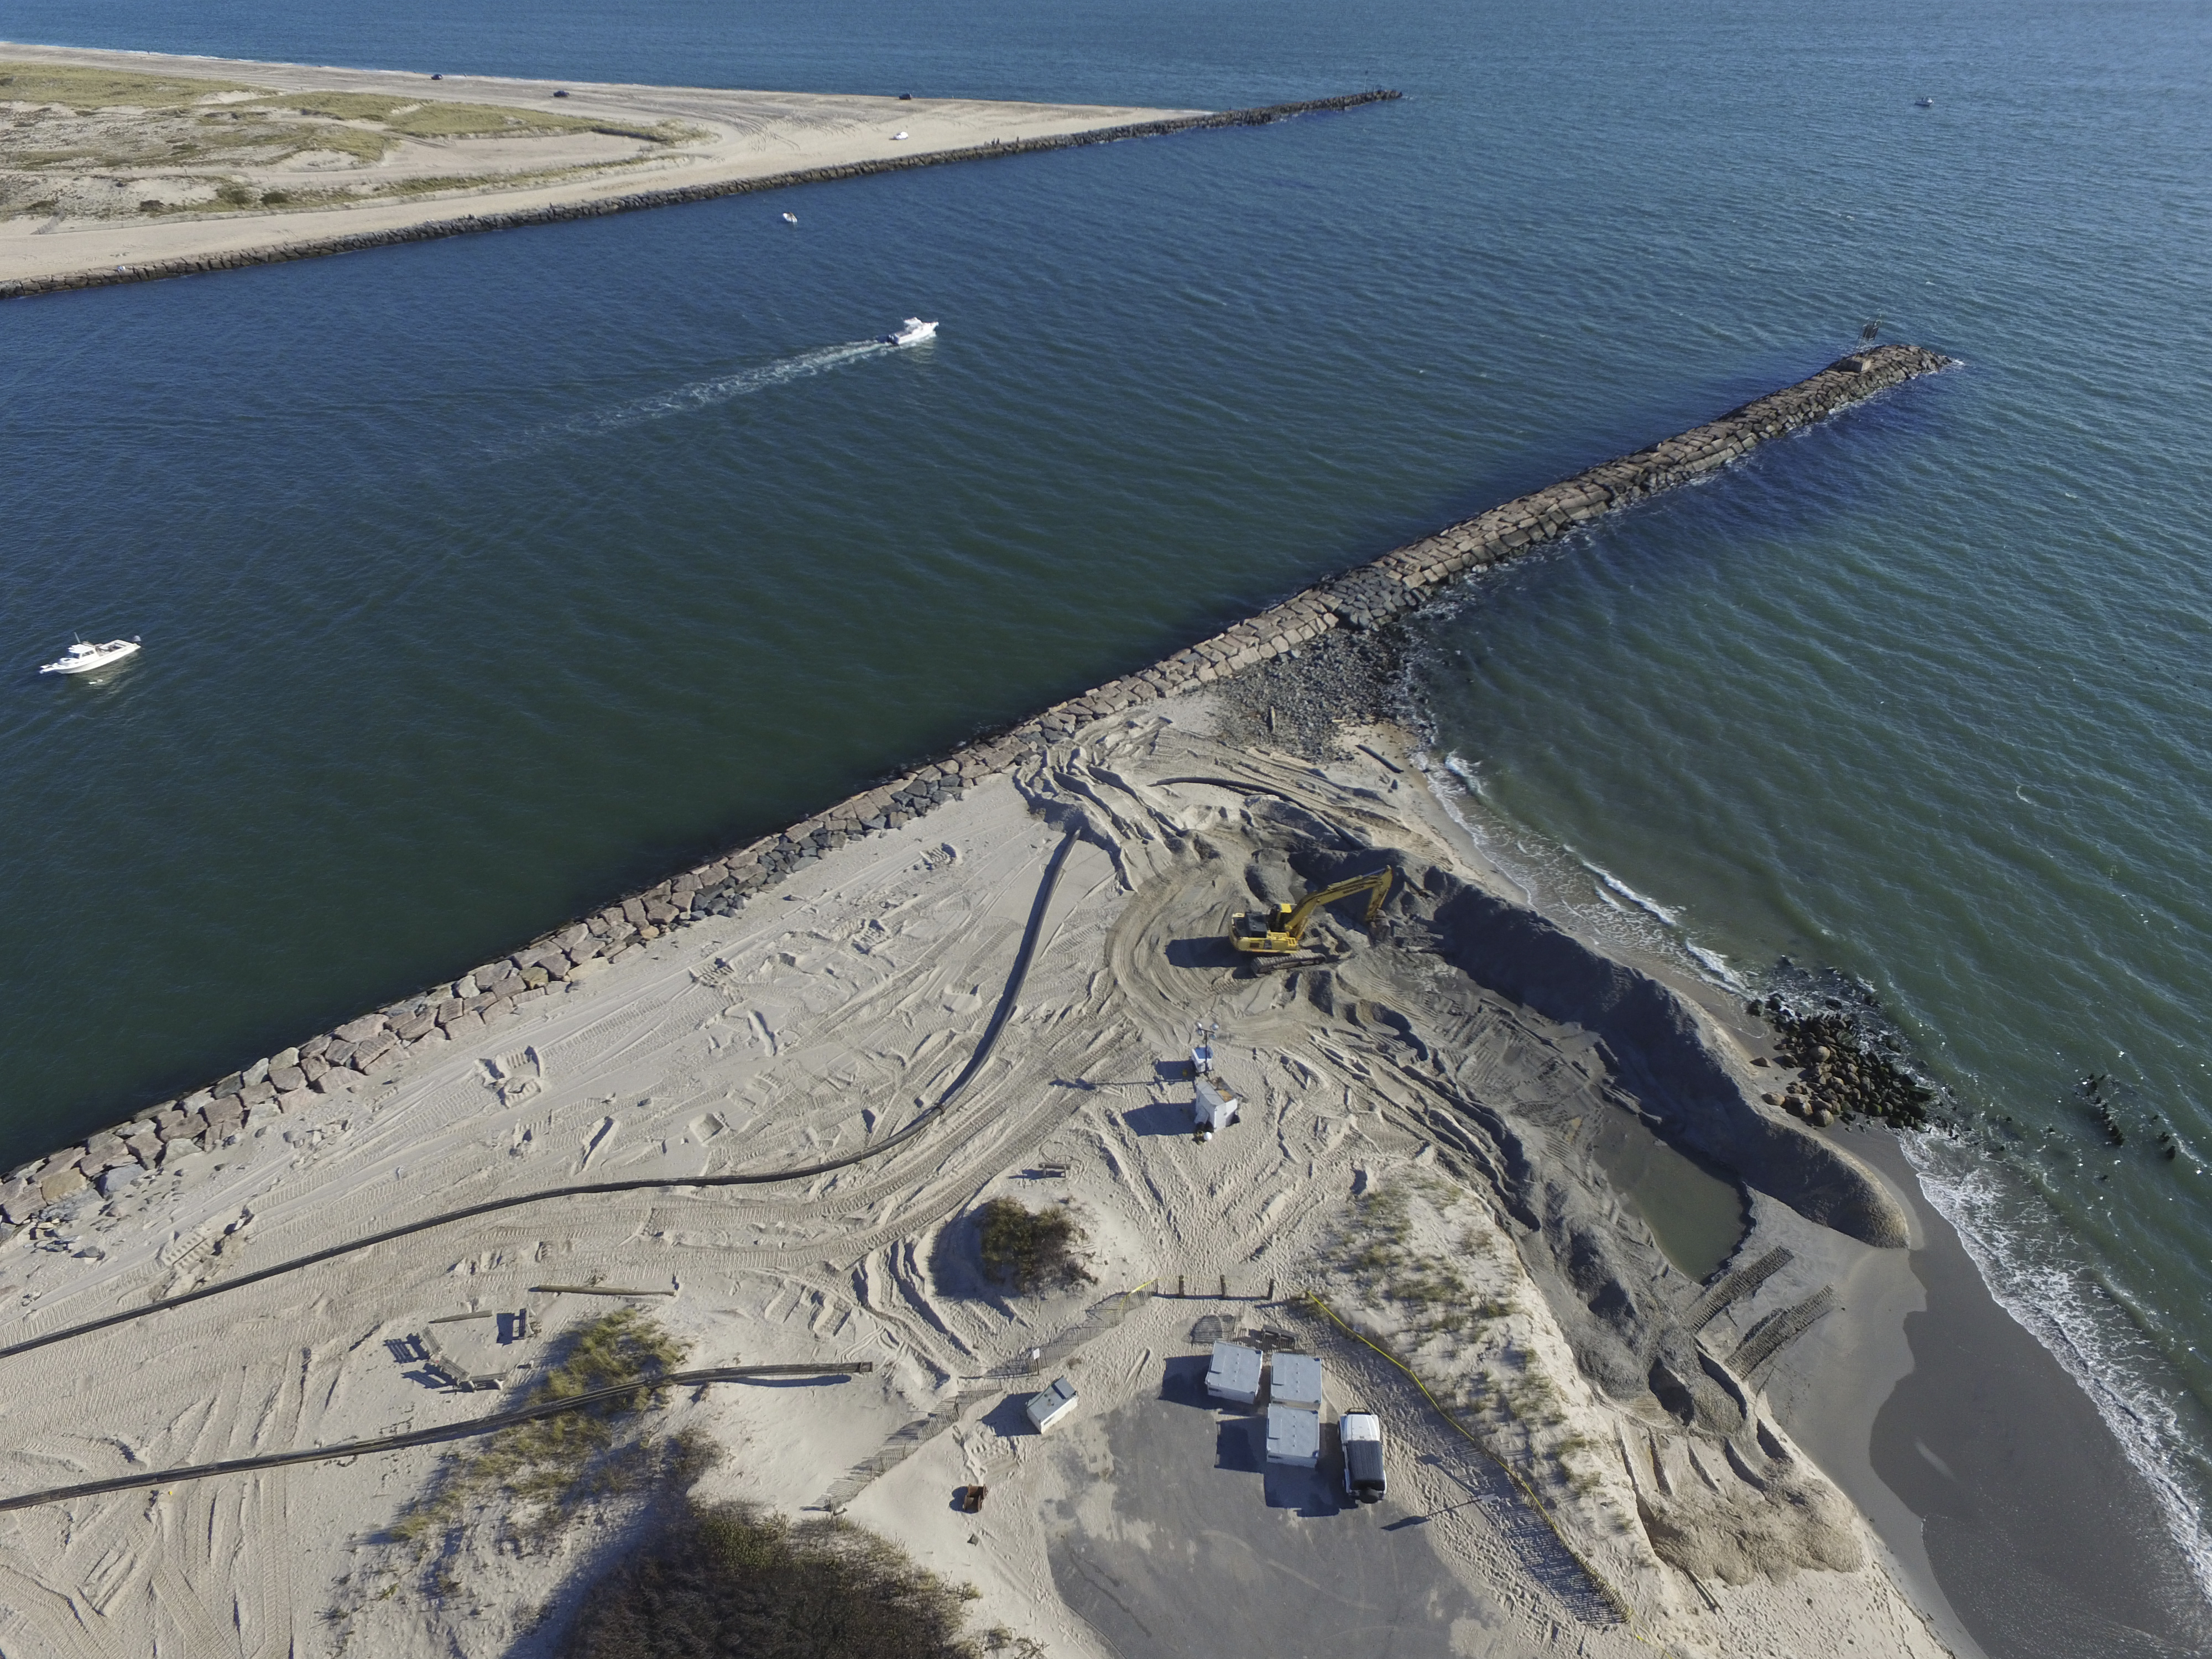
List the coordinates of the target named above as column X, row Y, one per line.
column 82, row 659
column 913, row 331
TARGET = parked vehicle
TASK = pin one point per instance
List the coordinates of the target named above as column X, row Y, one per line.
column 1361, row 1433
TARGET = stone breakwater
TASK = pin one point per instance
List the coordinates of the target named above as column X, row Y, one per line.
column 558, row 212
column 1367, row 597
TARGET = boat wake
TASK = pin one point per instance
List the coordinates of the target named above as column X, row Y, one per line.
column 707, row 394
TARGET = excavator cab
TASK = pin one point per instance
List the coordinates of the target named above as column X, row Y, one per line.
column 1281, row 931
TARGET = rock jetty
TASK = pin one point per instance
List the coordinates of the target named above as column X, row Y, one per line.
column 1365, row 598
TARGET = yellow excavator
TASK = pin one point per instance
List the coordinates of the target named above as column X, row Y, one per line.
column 1281, row 931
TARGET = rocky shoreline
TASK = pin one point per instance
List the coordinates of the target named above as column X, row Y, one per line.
column 1344, row 612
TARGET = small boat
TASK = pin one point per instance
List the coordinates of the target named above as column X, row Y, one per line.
column 1924, row 103
column 82, row 659
column 913, row 331
column 896, row 136
column 791, row 218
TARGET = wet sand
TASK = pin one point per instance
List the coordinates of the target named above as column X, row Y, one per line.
column 2045, row 1539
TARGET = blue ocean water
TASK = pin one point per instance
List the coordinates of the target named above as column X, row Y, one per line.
column 485, row 579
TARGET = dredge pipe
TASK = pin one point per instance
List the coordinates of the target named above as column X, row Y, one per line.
column 1015, row 980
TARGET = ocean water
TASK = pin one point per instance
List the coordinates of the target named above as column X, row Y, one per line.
column 484, row 580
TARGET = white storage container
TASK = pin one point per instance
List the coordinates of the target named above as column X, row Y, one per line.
column 1048, row 1406
column 1293, row 1436
column 1298, row 1381
column 1235, row 1373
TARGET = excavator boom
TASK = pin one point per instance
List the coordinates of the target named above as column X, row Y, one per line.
column 1278, row 931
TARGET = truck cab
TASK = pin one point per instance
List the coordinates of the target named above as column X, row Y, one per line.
column 1361, row 1433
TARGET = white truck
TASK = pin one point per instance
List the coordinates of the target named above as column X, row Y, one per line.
column 1361, row 1435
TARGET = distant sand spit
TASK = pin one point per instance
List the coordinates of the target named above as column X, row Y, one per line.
column 277, row 161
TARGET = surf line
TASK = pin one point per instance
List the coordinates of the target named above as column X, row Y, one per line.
column 1016, row 976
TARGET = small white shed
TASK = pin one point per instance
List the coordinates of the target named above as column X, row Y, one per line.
column 1235, row 1373
column 1210, row 1110
column 1293, row 1436
column 1298, row 1381
column 1048, row 1406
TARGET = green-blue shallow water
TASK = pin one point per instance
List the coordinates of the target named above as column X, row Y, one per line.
column 482, row 581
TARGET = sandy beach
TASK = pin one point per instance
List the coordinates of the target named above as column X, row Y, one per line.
column 1603, row 1479
column 1668, row 1357
column 379, row 165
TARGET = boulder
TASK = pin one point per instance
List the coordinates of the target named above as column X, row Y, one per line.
column 361, row 1029
column 284, row 1078
column 61, row 1184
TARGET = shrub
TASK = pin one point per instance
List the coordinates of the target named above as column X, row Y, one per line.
column 728, row 1579
column 1025, row 1249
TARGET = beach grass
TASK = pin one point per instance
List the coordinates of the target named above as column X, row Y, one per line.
column 87, row 89
column 543, row 1469
column 166, row 130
